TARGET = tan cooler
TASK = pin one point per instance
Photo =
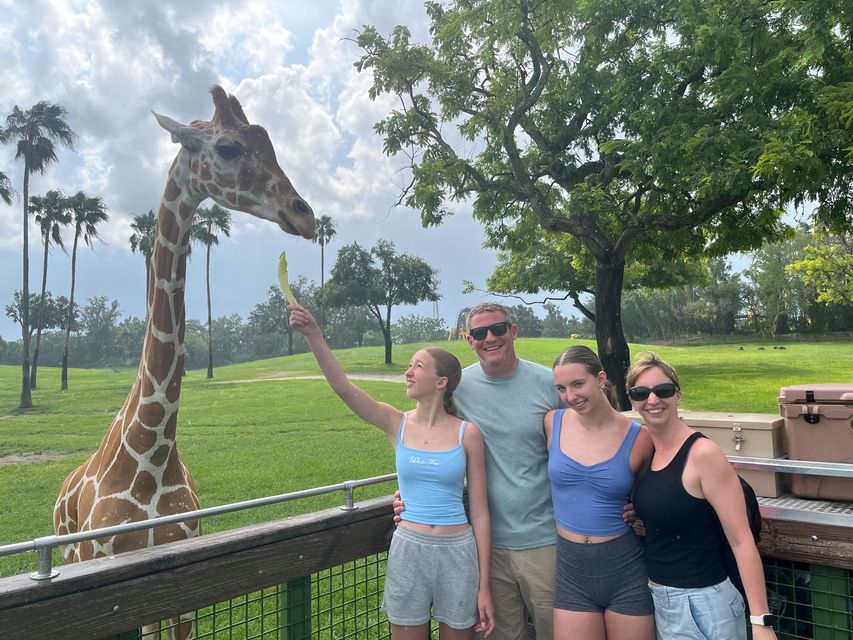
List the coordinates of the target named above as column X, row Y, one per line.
column 759, row 435
column 819, row 426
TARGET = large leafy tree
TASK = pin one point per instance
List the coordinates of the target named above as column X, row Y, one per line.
column 269, row 321
column 379, row 279
column 87, row 213
column 207, row 226
column 592, row 137
column 51, row 215
column 144, row 236
column 48, row 312
column 779, row 301
column 35, row 132
column 828, row 267
column 414, row 328
column 348, row 326
column 811, row 151
column 99, row 320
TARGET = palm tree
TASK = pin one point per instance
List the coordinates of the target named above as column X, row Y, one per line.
column 51, row 214
column 144, row 236
column 6, row 190
column 87, row 213
column 207, row 223
column 324, row 231
column 35, row 131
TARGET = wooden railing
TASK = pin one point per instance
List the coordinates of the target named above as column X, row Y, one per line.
column 107, row 596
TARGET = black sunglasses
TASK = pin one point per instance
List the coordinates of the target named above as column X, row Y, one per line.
column 497, row 329
column 665, row 390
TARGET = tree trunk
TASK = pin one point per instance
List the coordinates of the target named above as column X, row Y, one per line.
column 34, row 369
column 386, row 332
column 612, row 346
column 320, row 304
column 209, row 322
column 64, row 384
column 26, row 396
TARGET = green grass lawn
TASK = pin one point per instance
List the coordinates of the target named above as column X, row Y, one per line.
column 249, row 433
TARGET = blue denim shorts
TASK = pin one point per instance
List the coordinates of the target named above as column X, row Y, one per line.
column 703, row 613
column 432, row 572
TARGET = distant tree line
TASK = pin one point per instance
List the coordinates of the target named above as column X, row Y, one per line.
column 100, row 337
column 777, row 294
column 772, row 297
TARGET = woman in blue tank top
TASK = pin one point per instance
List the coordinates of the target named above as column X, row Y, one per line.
column 691, row 502
column 594, row 453
column 438, row 564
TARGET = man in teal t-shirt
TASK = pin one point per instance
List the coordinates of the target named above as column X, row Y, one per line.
column 507, row 398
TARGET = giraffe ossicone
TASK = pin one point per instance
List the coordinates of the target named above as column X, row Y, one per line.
column 136, row 473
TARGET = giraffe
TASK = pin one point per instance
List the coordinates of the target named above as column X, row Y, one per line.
column 136, row 472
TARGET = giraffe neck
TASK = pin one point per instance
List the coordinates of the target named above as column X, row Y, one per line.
column 161, row 368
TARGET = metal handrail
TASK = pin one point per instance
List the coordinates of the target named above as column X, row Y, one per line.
column 44, row 546
column 805, row 467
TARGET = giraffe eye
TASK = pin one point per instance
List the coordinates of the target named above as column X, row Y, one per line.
column 228, row 150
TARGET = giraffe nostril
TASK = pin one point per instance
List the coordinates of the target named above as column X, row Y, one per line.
column 301, row 207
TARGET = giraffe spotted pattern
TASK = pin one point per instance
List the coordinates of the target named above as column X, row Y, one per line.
column 136, row 473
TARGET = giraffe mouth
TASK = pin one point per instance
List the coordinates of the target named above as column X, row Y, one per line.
column 287, row 227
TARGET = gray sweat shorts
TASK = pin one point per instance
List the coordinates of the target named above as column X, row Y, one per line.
column 438, row 572
column 608, row 575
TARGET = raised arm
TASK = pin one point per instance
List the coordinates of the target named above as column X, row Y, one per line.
column 363, row 405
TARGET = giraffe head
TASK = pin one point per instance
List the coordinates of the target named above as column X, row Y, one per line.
column 234, row 163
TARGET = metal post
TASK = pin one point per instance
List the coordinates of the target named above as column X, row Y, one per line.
column 45, row 569
column 349, row 496
column 294, row 605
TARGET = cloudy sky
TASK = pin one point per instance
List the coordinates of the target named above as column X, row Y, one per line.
column 290, row 62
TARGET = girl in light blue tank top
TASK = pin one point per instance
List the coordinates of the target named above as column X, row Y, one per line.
column 594, row 453
column 438, row 563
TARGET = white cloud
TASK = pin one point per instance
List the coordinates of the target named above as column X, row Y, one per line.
column 291, row 65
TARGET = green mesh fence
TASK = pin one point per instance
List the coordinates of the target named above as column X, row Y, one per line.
column 338, row 603
column 813, row 602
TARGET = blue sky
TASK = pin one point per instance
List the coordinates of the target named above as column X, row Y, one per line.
column 290, row 63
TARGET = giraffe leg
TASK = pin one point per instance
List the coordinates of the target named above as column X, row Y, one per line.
column 180, row 628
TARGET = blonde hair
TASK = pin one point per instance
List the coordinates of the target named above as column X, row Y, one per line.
column 581, row 354
column 447, row 365
column 650, row 360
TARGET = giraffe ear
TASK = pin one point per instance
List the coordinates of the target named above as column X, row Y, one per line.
column 188, row 137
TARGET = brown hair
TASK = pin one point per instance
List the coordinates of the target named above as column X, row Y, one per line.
column 649, row 360
column 486, row 307
column 447, row 365
column 581, row 354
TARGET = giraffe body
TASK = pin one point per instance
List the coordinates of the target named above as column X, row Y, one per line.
column 136, row 473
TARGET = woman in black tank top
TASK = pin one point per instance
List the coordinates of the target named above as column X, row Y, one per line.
column 688, row 500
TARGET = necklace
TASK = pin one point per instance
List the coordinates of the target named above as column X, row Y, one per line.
column 428, row 435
